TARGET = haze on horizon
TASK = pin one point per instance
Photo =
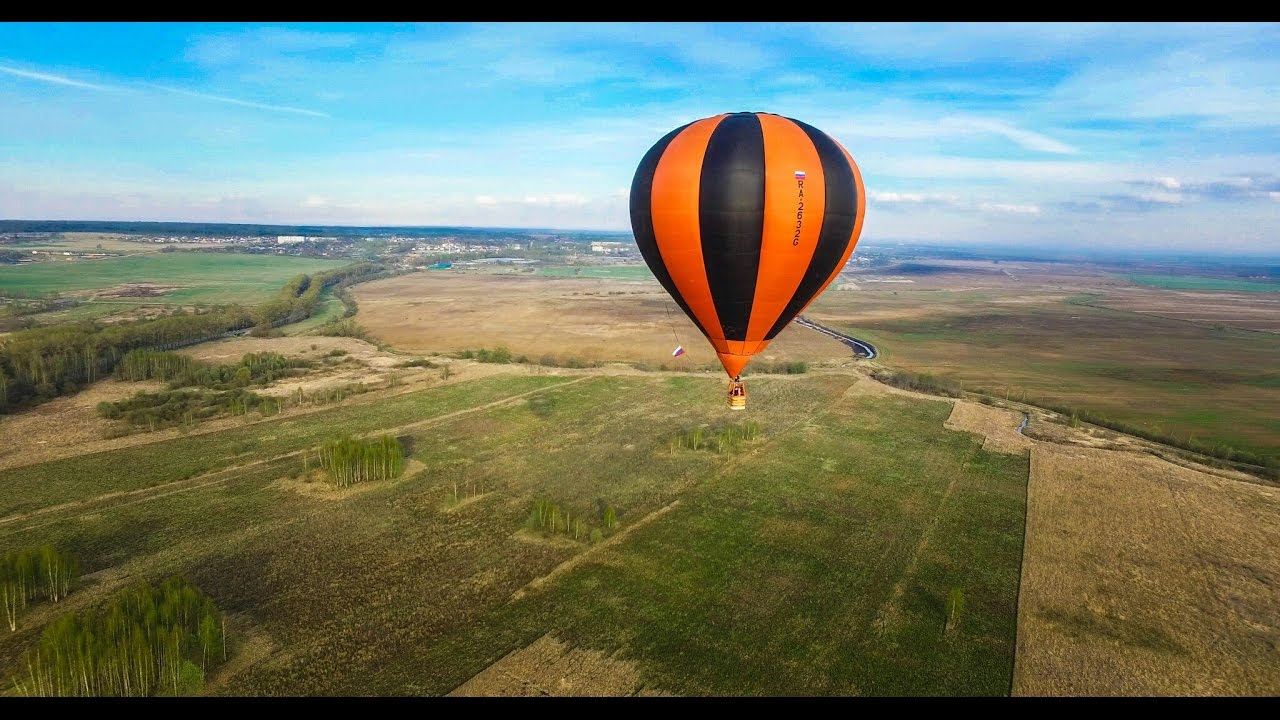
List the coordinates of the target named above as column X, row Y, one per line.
column 1098, row 136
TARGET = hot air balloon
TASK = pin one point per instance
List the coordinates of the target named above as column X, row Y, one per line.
column 745, row 218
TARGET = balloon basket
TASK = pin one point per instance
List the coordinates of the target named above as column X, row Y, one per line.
column 737, row 395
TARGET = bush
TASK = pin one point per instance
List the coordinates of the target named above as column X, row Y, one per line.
column 720, row 439
column 919, row 382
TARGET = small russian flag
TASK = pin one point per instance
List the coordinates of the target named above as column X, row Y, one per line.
column 678, row 351
column 799, row 174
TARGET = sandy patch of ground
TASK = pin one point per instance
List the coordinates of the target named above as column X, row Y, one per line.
column 230, row 350
column 549, row 667
column 63, row 423
column 999, row 427
column 1141, row 577
column 316, row 483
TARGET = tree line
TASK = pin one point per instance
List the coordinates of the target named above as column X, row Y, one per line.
column 34, row 573
column 182, row 371
column 149, row 640
column 39, row 364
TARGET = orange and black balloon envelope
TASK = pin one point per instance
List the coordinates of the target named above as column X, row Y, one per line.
column 745, row 218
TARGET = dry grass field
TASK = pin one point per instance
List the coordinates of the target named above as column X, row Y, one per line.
column 1145, row 578
column 1164, row 360
column 592, row 319
column 1139, row 576
column 1250, row 311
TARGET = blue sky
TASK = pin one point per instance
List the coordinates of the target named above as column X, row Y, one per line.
column 1162, row 136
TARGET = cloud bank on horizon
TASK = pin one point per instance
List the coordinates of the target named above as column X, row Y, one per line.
column 1146, row 135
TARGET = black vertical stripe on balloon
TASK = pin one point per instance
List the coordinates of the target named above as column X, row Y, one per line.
column 731, row 218
column 642, row 221
column 838, row 218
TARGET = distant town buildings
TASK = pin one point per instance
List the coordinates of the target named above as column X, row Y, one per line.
column 610, row 248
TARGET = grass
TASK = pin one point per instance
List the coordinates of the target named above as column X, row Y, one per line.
column 203, row 277
column 613, row 272
column 771, row 576
column 1182, row 282
column 768, row 577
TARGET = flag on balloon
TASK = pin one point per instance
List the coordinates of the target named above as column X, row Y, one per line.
column 678, row 351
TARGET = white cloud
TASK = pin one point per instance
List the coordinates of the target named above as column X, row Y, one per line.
column 909, row 198
column 1010, row 208
column 1162, row 198
column 556, row 199
column 314, row 201
column 236, row 101
column 1025, row 138
column 51, row 78
column 903, row 125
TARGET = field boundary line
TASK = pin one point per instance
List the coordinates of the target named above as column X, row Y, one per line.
column 573, row 562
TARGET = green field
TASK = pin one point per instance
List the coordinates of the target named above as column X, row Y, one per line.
column 329, row 308
column 200, row 277
column 617, row 272
column 1182, row 282
column 814, row 560
column 1210, row 384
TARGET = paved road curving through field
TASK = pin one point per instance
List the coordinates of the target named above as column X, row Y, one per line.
column 861, row 348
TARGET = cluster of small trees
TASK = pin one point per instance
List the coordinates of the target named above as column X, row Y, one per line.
column 724, row 438
column 182, row 371
column 548, row 517
column 171, row 408
column 33, row 573
column 351, row 460
column 343, row 328
column 149, row 640
column 919, row 382
column 484, row 355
